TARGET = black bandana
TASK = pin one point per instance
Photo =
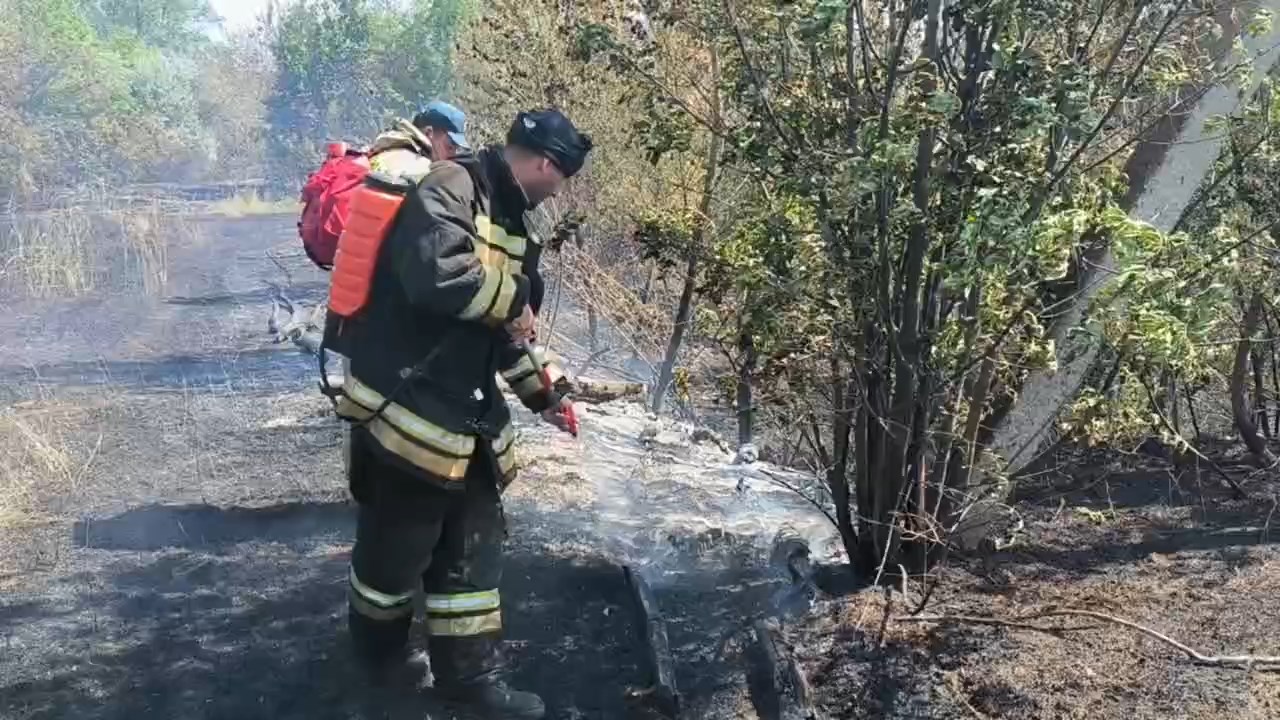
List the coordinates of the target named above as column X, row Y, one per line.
column 550, row 133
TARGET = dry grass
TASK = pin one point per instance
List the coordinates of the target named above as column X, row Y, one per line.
column 1202, row 570
column 251, row 204
column 75, row 249
column 36, row 460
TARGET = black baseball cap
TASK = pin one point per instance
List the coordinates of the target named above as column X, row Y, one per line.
column 552, row 134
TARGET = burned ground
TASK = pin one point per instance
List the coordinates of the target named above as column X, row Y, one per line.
column 179, row 546
column 1180, row 556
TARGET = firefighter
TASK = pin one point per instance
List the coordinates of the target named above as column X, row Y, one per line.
column 437, row 132
column 432, row 446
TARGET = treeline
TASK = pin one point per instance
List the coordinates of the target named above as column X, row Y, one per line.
column 882, row 230
column 871, row 229
column 104, row 92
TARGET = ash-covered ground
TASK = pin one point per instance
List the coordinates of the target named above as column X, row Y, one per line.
column 182, row 548
column 176, row 539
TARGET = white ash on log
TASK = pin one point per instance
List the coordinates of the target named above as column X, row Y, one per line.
column 601, row 391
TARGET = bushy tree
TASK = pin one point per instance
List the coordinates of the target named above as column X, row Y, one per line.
column 110, row 92
column 347, row 67
column 957, row 162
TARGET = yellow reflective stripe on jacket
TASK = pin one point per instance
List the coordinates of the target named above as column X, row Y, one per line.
column 498, row 248
column 390, row 438
column 523, row 366
column 506, row 438
column 466, row 626
column 505, row 448
column 528, row 387
column 439, row 465
column 466, row 603
column 451, row 443
column 492, row 302
column 527, row 382
column 494, row 236
column 484, row 298
column 507, row 463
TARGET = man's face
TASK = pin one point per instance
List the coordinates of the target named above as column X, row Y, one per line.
column 442, row 148
column 539, row 177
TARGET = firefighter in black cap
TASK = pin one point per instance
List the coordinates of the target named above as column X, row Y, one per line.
column 455, row 290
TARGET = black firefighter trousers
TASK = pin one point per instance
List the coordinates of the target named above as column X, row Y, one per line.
column 410, row 535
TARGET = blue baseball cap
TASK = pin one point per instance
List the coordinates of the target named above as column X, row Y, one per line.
column 442, row 115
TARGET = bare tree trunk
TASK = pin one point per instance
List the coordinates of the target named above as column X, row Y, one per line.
column 745, row 403
column 684, row 310
column 1191, row 410
column 1275, row 373
column 1239, row 375
column 907, row 429
column 1259, row 390
column 647, row 290
column 593, row 316
column 1165, row 172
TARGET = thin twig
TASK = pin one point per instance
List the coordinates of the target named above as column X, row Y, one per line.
column 1240, row 493
column 1266, row 526
column 1022, row 622
column 798, row 491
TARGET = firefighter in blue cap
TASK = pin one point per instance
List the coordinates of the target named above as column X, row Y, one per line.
column 437, row 132
column 454, row 293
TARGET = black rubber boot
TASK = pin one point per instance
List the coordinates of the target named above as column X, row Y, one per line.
column 468, row 674
column 382, row 649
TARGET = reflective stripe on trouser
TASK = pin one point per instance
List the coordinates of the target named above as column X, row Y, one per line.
column 411, row 534
column 464, row 614
column 378, row 605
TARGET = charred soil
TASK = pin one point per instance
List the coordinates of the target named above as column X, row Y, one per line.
column 176, row 543
column 1125, row 538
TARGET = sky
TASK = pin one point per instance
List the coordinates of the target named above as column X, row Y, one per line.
column 238, row 14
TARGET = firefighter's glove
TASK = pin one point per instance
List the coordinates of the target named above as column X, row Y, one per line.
column 561, row 415
column 522, row 327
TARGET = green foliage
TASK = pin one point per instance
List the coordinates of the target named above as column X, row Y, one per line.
column 912, row 214
column 347, row 67
column 109, row 91
column 1183, row 292
column 169, row 24
column 666, row 237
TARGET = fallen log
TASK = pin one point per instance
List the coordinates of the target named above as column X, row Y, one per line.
column 779, row 687
column 661, row 693
column 600, row 391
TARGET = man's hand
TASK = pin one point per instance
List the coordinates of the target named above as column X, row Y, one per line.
column 522, row 327
column 560, row 415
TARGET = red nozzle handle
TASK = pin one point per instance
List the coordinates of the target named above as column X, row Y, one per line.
column 571, row 417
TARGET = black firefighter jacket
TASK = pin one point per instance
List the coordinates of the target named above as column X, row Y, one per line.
column 458, row 264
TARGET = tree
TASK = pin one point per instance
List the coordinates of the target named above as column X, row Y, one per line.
column 109, row 91
column 168, row 24
column 959, row 162
column 347, row 67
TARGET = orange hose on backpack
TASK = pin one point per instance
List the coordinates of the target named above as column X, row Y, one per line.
column 373, row 209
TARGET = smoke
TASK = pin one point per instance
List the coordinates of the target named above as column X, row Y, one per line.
column 669, row 507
